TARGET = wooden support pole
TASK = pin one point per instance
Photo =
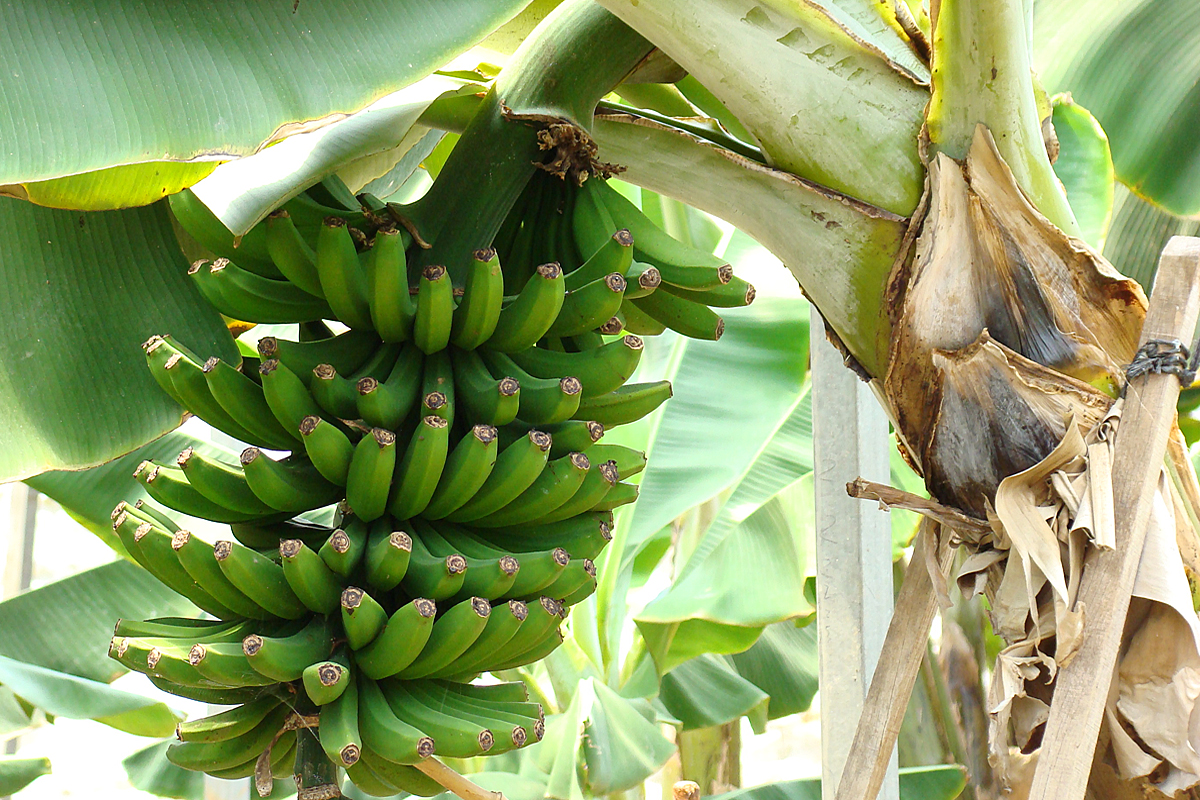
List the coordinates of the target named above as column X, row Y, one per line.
column 899, row 662
column 1082, row 687
column 854, row 553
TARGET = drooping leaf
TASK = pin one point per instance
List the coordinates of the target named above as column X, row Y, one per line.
column 241, row 193
column 17, row 773
column 1085, row 168
column 1138, row 233
column 621, row 744
column 66, row 626
column 73, row 697
column 149, row 770
column 104, row 83
column 780, row 68
column 705, row 691
column 782, row 663
column 1133, row 65
column 81, row 292
column 939, row 782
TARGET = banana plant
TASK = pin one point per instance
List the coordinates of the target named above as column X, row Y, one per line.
column 838, row 196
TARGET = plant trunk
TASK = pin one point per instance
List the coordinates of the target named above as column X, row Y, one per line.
column 712, row 757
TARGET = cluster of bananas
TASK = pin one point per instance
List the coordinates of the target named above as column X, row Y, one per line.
column 455, row 426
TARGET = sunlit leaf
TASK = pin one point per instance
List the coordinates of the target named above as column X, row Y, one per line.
column 17, row 773
column 704, row 692
column 1085, row 168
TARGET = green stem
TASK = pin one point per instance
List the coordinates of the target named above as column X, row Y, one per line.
column 313, row 767
column 982, row 73
column 575, row 57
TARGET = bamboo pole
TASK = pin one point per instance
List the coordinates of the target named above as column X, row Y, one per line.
column 1082, row 687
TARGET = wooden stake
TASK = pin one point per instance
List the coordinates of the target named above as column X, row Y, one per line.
column 896, row 672
column 1081, row 689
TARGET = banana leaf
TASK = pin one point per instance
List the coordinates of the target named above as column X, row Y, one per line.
column 149, row 770
column 1139, row 231
column 162, row 92
column 17, row 773
column 916, row 783
column 1085, row 168
column 783, row 664
column 705, row 691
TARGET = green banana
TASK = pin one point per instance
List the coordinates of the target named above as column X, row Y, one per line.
column 511, row 731
column 466, row 469
column 384, row 733
column 627, row 404
column 612, row 327
column 326, row 681
column 435, row 577
column 259, row 578
column 589, row 306
column 282, row 755
column 388, row 554
column 735, row 294
column 228, row 724
column 242, row 398
column 517, row 467
column 619, row 495
column 169, row 486
column 150, row 546
column 368, row 781
column 196, row 556
column 452, row 633
column 601, row 370
column 221, row 483
column 392, row 308
column 329, row 450
column 682, row 316
column 642, row 279
column 203, row 756
column 166, row 660
column 580, row 573
column 285, row 657
column 362, row 617
column 586, row 589
column 600, row 480
column 510, row 692
column 455, row 737
column 318, row 587
column 204, row 226
column 269, row 536
column 572, row 436
column 149, row 513
column 370, row 476
column 485, row 399
column 400, row 642
column 386, row 404
column 344, row 549
column 557, row 484
column 419, row 472
column 488, row 578
column 583, row 536
column 224, row 663
column 181, row 377
column 335, row 393
column 343, row 279
column 174, row 628
column 240, row 294
column 476, row 317
column 345, row 352
column 541, row 401
column 540, row 625
column 435, row 310
column 537, row 569
column 634, row 320
column 502, row 624
column 291, row 254
column 615, row 255
column 400, row 776
column 286, row 394
column 680, row 264
column 292, row 485
column 437, row 380
column 543, row 648
column 629, row 462
column 527, row 318
column 223, row 696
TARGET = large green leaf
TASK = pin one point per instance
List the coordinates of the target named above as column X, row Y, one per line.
column 73, row 697
column 1085, row 168
column 781, row 68
column 840, row 252
column 1136, row 66
column 17, row 773
column 81, row 292
column 705, row 692
column 916, row 783
column 782, row 663
column 243, row 192
column 1138, row 233
column 102, row 83
column 149, row 770
column 66, row 626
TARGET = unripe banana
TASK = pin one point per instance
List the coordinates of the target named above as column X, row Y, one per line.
column 384, row 733
column 455, row 737
column 203, row 756
column 435, row 577
column 334, row 393
column 259, row 578
column 292, row 485
column 527, row 318
column 502, row 625
column 343, row 279
column 601, row 370
column 344, row 549
column 329, row 450
column 589, row 306
column 326, row 681
column 735, row 294
column 385, row 404
column 225, row 664
column 346, row 352
column 400, row 642
column 291, row 254
column 221, row 483
column 419, row 472
column 483, row 295
column 339, row 733
column 435, row 310
column 318, row 587
column 362, row 617
column 542, row 401
column 642, row 279
column 242, row 295
column 169, row 486
column 556, row 485
column 229, row 724
column 284, row 658
column 583, row 536
column 620, row 495
column 388, row 555
column 600, row 480
column 682, row 316
column 615, row 255
column 517, row 467
column 196, row 556
column 629, row 462
column 627, row 404
column 485, row 398
column 392, row 309
column 467, row 468
column 286, row 394
column 243, row 400
column 369, row 479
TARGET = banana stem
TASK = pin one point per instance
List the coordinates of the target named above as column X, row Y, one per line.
column 455, row 782
column 575, row 57
column 316, row 776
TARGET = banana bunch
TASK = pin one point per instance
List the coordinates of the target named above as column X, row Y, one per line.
column 455, row 423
